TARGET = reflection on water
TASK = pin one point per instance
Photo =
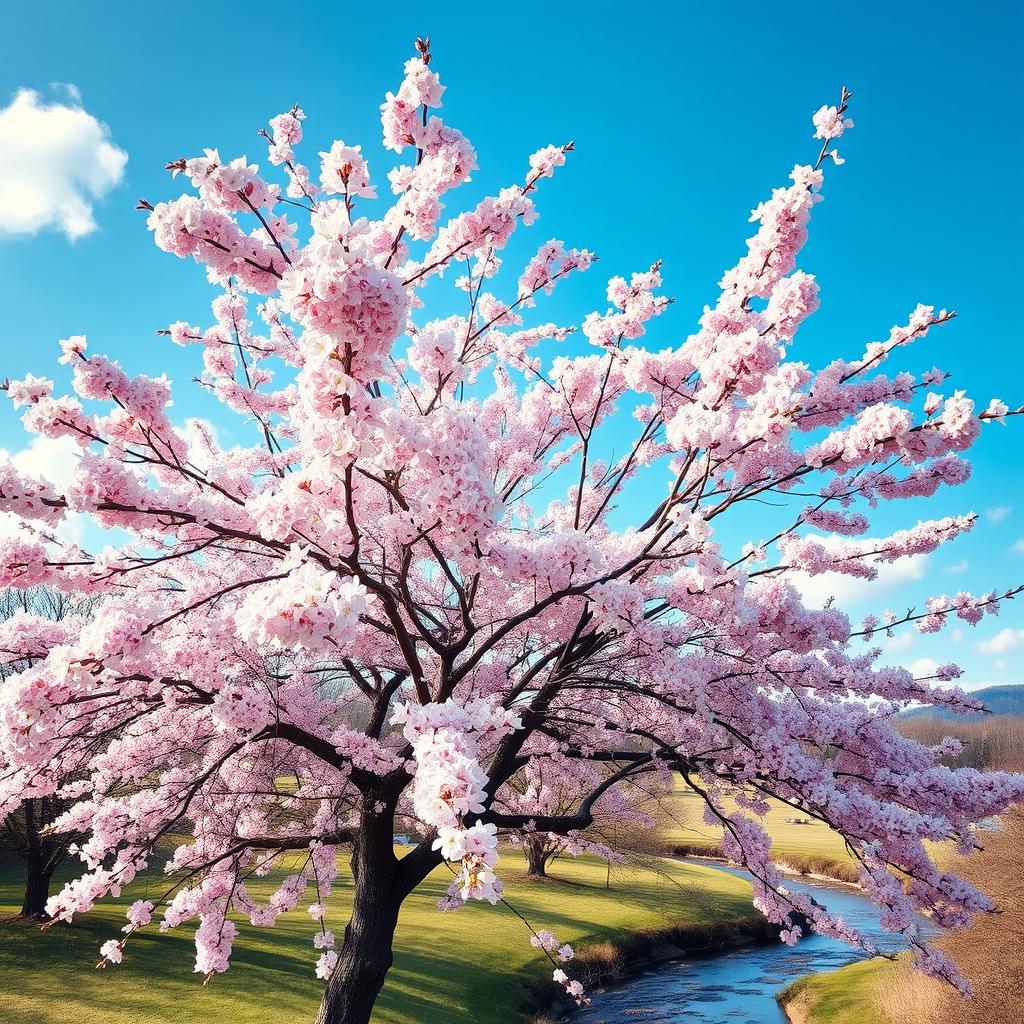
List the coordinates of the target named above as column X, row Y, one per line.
column 738, row 987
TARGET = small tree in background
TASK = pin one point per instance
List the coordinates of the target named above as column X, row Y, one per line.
column 622, row 818
column 432, row 513
column 30, row 622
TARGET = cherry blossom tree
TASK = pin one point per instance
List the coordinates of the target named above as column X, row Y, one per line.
column 622, row 819
column 437, row 566
column 32, row 621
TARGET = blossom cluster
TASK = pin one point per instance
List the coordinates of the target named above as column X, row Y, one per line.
column 305, row 609
column 450, row 785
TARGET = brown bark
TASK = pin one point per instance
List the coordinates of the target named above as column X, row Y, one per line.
column 41, row 853
column 537, row 857
column 37, row 887
column 382, row 882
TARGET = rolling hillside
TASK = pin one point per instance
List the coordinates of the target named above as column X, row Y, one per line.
column 1006, row 699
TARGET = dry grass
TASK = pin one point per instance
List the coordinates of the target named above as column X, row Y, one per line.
column 824, row 865
column 990, row 954
column 820, row 864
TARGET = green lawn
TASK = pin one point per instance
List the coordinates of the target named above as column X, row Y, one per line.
column 450, row 968
column 846, row 996
column 682, row 814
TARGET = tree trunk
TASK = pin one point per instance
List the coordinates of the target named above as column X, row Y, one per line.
column 381, row 884
column 364, row 960
column 38, row 868
column 37, row 887
column 537, row 856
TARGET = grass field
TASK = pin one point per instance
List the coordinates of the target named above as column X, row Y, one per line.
column 470, row 965
column 846, row 996
column 811, row 848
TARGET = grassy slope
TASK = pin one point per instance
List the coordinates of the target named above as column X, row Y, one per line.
column 448, row 967
column 797, row 842
column 846, row 996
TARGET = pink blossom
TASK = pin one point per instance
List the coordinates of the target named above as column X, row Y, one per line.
column 326, row 964
column 830, row 124
column 997, row 410
column 344, row 171
column 111, row 950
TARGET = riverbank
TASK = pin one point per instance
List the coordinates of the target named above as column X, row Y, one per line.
column 846, row 996
column 990, row 954
column 470, row 965
column 823, row 869
column 632, row 954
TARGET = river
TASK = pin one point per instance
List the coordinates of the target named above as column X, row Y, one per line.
column 739, row 986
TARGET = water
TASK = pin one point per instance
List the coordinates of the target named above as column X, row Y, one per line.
column 739, row 986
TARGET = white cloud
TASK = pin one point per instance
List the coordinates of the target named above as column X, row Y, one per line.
column 958, row 567
column 852, row 590
column 978, row 684
column 54, row 460
column 71, row 90
column 999, row 513
column 901, row 641
column 71, row 529
column 199, row 434
column 923, row 667
column 1019, row 547
column 10, row 526
column 1005, row 640
column 956, row 635
column 55, row 160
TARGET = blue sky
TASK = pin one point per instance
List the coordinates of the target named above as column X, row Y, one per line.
column 684, row 117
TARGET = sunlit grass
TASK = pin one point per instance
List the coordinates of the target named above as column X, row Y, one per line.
column 808, row 847
column 846, row 996
column 470, row 965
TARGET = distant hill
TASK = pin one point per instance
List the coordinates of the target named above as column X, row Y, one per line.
column 1000, row 700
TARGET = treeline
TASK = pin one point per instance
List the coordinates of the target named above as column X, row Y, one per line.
column 995, row 742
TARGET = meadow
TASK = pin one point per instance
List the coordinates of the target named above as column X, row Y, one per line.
column 811, row 848
column 475, row 964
